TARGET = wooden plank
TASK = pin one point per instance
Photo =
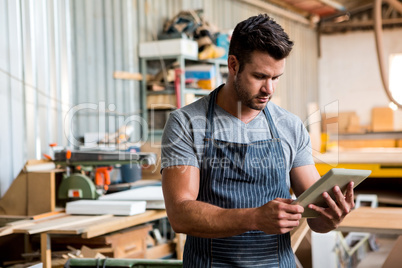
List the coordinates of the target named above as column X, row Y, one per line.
column 29, row 222
column 394, row 258
column 382, row 119
column 117, row 223
column 297, row 235
column 386, row 220
column 129, row 243
column 41, row 192
column 54, row 224
column 6, row 230
column 9, row 228
column 57, row 211
column 127, row 75
column 45, row 249
column 14, row 201
column 160, row 251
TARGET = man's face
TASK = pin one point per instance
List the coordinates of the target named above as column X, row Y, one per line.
column 256, row 84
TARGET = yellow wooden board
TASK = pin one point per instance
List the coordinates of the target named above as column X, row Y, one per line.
column 378, row 170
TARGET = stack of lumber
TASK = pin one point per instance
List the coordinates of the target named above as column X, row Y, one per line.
column 153, row 195
column 97, row 207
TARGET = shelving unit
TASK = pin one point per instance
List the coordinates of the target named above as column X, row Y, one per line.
column 182, row 62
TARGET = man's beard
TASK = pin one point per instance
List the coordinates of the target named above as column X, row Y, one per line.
column 245, row 97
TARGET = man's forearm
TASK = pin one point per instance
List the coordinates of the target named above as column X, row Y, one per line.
column 200, row 219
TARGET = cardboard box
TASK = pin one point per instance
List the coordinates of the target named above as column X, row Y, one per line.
column 169, row 47
column 208, row 84
column 342, row 123
column 127, row 243
column 399, row 143
column 161, row 101
column 382, row 119
column 31, row 193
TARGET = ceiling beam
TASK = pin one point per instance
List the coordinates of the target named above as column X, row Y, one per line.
column 355, row 24
column 333, row 3
column 289, row 7
column 277, row 10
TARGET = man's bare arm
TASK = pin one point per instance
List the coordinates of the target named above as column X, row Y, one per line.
column 187, row 215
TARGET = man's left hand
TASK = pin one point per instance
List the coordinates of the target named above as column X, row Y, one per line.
column 332, row 216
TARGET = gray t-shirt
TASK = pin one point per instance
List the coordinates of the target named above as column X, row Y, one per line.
column 183, row 136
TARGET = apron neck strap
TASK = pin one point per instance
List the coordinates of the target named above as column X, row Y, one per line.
column 210, row 114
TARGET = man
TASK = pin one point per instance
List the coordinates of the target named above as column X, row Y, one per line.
column 229, row 159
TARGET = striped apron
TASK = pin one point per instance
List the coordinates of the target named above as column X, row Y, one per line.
column 235, row 175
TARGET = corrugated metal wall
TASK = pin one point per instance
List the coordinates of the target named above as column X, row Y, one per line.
column 57, row 60
column 35, row 80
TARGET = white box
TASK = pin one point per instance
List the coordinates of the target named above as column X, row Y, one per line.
column 169, row 47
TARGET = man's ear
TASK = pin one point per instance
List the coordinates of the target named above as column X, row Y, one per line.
column 233, row 64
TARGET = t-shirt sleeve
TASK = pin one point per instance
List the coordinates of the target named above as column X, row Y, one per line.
column 177, row 143
column 303, row 151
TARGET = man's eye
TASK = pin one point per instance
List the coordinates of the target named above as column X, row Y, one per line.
column 275, row 78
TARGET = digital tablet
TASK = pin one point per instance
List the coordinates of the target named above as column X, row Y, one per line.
column 336, row 176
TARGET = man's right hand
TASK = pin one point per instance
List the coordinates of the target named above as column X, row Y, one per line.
column 278, row 216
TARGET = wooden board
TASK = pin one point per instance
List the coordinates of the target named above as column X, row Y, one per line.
column 297, row 235
column 14, row 201
column 118, row 223
column 30, row 194
column 394, row 258
column 382, row 119
column 160, row 251
column 127, row 75
column 41, row 192
column 386, row 220
column 60, row 222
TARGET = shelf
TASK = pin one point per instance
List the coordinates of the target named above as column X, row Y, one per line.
column 188, row 58
column 170, row 57
column 371, row 135
column 183, row 61
column 197, row 91
column 161, row 92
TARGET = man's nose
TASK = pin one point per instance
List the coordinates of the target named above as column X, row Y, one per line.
column 268, row 88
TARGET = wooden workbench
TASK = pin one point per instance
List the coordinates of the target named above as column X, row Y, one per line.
column 85, row 226
column 384, row 220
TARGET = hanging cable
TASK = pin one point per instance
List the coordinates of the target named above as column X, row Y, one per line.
column 380, row 46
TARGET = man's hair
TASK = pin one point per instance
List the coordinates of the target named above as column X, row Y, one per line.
column 259, row 33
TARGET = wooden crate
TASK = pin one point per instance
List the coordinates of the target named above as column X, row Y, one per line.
column 399, row 143
column 128, row 243
column 382, row 119
column 31, row 193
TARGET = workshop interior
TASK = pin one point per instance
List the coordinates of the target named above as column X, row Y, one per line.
column 87, row 87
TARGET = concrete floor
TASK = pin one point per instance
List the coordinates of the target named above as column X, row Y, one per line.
column 375, row 259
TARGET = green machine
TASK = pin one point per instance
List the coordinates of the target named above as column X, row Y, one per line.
column 77, row 185
column 87, row 172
